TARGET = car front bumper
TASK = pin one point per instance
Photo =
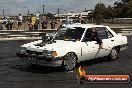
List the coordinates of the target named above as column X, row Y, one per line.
column 40, row 59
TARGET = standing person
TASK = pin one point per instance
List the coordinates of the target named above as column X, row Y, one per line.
column 80, row 18
column 30, row 24
column 53, row 22
column 36, row 25
column 5, row 20
column 44, row 23
column 8, row 25
column 11, row 23
column 20, row 22
column 33, row 20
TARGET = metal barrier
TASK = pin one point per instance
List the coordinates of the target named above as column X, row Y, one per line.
column 23, row 33
column 125, row 32
column 35, row 34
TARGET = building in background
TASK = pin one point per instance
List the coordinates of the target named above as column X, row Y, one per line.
column 73, row 15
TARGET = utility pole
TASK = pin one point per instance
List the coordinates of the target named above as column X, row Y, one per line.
column 43, row 9
column 3, row 12
column 58, row 12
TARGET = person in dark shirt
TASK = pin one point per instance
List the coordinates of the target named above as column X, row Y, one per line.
column 94, row 37
column 44, row 23
column 36, row 25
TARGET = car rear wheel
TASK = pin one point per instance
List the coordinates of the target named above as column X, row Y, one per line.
column 114, row 54
column 70, row 61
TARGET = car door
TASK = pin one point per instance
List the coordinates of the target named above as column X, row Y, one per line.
column 107, row 39
column 89, row 48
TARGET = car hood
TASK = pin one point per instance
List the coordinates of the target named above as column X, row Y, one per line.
column 58, row 44
column 54, row 46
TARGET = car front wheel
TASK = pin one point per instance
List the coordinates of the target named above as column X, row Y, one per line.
column 70, row 61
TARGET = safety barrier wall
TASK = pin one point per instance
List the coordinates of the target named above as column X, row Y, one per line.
column 8, row 34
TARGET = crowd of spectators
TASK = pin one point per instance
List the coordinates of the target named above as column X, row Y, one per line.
column 30, row 23
column 33, row 22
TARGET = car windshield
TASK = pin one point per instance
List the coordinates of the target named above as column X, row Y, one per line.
column 70, row 34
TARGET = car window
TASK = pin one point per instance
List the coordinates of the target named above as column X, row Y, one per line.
column 104, row 33
column 87, row 34
column 70, row 34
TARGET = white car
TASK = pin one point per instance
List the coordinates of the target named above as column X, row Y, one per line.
column 71, row 46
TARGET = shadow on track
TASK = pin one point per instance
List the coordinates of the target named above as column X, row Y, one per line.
column 37, row 69
column 45, row 70
column 93, row 61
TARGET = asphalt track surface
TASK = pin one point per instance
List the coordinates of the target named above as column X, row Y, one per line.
column 15, row 74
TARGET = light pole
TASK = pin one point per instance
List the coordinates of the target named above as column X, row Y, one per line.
column 43, row 9
column 3, row 12
column 58, row 12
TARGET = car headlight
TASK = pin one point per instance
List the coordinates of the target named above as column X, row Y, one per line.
column 50, row 53
column 23, row 50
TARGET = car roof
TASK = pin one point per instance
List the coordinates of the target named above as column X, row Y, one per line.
column 85, row 25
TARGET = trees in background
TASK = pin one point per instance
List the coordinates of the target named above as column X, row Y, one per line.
column 50, row 15
column 121, row 9
column 99, row 12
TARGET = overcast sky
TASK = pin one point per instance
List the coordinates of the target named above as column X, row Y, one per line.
column 21, row 6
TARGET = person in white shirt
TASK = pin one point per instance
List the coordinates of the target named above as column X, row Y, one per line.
column 20, row 22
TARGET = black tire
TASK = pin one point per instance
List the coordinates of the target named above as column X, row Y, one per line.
column 114, row 54
column 69, row 61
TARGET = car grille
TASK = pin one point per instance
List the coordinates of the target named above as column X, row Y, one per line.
column 33, row 52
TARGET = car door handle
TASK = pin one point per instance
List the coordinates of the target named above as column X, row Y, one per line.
column 112, row 40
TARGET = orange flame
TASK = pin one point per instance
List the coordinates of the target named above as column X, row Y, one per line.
column 81, row 71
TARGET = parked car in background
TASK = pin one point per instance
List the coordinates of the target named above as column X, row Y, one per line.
column 73, row 45
column 66, row 22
